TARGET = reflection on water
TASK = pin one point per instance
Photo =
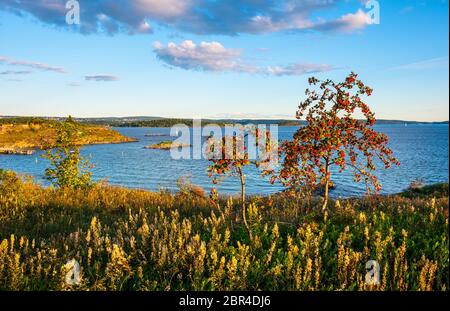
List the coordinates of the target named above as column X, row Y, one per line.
column 421, row 149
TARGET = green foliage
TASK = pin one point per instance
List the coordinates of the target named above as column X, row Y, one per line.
column 437, row 190
column 24, row 120
column 9, row 181
column 229, row 156
column 138, row 240
column 67, row 167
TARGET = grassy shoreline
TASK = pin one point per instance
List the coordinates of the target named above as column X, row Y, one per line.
column 139, row 240
column 40, row 135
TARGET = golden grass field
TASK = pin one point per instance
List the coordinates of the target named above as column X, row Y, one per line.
column 138, row 240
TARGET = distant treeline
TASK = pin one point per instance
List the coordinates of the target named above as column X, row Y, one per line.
column 158, row 123
column 141, row 122
column 222, row 123
column 189, row 122
column 169, row 122
column 24, row 120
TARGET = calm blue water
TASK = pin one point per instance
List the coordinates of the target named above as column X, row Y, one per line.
column 421, row 149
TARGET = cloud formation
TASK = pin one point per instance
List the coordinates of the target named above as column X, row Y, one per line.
column 228, row 17
column 14, row 80
column 15, row 72
column 250, row 116
column 346, row 23
column 299, row 69
column 207, row 56
column 33, row 65
column 101, row 78
column 213, row 56
column 434, row 63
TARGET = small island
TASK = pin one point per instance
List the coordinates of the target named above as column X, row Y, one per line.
column 156, row 135
column 25, row 136
column 167, row 145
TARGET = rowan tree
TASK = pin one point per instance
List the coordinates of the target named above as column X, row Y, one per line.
column 339, row 133
column 230, row 155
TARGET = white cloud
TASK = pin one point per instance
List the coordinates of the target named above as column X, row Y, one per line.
column 207, row 56
column 29, row 64
column 251, row 116
column 14, row 80
column 435, row 63
column 229, row 17
column 299, row 69
column 101, row 78
column 163, row 9
column 15, row 72
column 213, row 56
column 346, row 23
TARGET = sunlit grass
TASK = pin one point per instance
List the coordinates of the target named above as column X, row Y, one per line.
column 139, row 240
column 41, row 134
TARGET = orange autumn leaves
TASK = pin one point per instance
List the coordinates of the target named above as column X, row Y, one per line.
column 335, row 135
column 339, row 133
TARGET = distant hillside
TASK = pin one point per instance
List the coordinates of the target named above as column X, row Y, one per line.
column 150, row 121
column 102, row 120
column 23, row 135
column 380, row 121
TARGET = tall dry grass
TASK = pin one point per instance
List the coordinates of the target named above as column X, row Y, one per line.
column 138, row 240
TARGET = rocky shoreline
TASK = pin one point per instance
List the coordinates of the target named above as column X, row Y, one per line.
column 167, row 145
column 31, row 151
column 17, row 151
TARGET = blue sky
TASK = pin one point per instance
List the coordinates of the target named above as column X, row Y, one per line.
column 204, row 58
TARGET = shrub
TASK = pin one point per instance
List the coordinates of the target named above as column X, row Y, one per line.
column 68, row 168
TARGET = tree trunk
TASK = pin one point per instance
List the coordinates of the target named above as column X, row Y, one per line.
column 244, row 213
column 327, row 185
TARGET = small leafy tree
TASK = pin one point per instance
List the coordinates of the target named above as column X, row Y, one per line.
column 334, row 136
column 68, row 168
column 230, row 156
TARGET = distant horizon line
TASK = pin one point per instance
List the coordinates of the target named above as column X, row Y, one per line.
column 196, row 118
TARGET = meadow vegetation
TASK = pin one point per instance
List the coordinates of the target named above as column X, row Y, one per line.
column 138, row 240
